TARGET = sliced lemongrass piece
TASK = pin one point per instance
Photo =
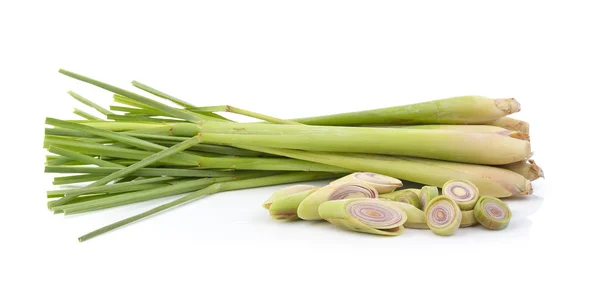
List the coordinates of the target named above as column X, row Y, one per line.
column 372, row 216
column 426, row 194
column 283, row 192
column 463, row 192
column 309, row 207
column 468, row 219
column 492, row 213
column 415, row 217
column 286, row 208
column 403, row 196
column 381, row 183
column 443, row 216
column 528, row 169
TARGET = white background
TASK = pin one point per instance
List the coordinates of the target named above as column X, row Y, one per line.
column 293, row 59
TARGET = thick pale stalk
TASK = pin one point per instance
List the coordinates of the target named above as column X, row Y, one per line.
column 372, row 216
column 283, row 192
column 469, row 128
column 443, row 216
column 286, row 208
column 415, row 217
column 309, row 207
column 381, row 183
column 457, row 146
column 490, row 180
column 456, row 110
column 464, row 193
column 528, row 169
column 511, row 124
column 427, row 194
column 492, row 213
column 403, row 196
column 468, row 219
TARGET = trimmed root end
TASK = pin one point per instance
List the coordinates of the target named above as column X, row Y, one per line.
column 536, row 169
column 508, row 105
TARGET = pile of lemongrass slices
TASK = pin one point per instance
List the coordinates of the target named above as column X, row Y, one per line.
column 141, row 149
column 369, row 203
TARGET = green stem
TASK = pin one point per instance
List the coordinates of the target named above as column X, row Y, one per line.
column 85, row 115
column 109, row 188
column 54, row 194
column 89, row 103
column 81, row 157
column 235, row 185
column 76, row 179
column 161, row 94
column 239, row 111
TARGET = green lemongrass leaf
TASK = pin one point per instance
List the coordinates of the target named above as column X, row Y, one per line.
column 81, row 157
column 54, row 194
column 231, row 109
column 117, row 187
column 89, row 103
column 161, row 94
column 227, row 186
column 85, row 115
column 76, row 179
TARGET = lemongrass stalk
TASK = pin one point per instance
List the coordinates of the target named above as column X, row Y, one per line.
column 372, row 216
column 415, row 217
column 132, row 110
column 118, row 187
column 119, row 126
column 490, row 180
column 53, row 194
column 443, row 215
column 59, row 161
column 141, row 118
column 492, row 213
column 239, row 163
column 529, row 169
column 81, row 157
column 65, row 132
column 468, row 219
column 381, row 183
column 232, row 109
column 468, row 128
column 427, row 194
column 457, row 146
column 76, row 179
column 228, row 186
column 463, row 192
column 85, row 115
column 403, row 196
column 511, row 124
column 137, row 167
column 89, row 103
column 183, row 186
column 456, row 110
column 140, row 172
column 309, row 207
column 286, row 191
column 286, row 208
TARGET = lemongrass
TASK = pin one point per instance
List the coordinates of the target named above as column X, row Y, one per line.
column 490, row 180
column 469, row 128
column 89, row 103
column 463, row 192
column 492, row 213
column 427, row 194
column 227, row 186
column 443, row 216
column 286, row 208
column 458, row 146
column 119, row 187
column 283, row 192
column 365, row 215
column 415, row 217
column 309, row 207
column 456, row 110
column 85, row 115
column 529, row 169
column 468, row 219
column 511, row 124
column 381, row 183
column 403, row 196
column 76, row 179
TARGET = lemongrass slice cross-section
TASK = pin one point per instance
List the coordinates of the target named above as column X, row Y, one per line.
column 415, row 217
column 283, row 192
column 468, row 219
column 426, row 194
column 309, row 207
column 286, row 208
column 381, row 183
column 403, row 196
column 492, row 213
column 373, row 216
column 443, row 216
column 463, row 192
